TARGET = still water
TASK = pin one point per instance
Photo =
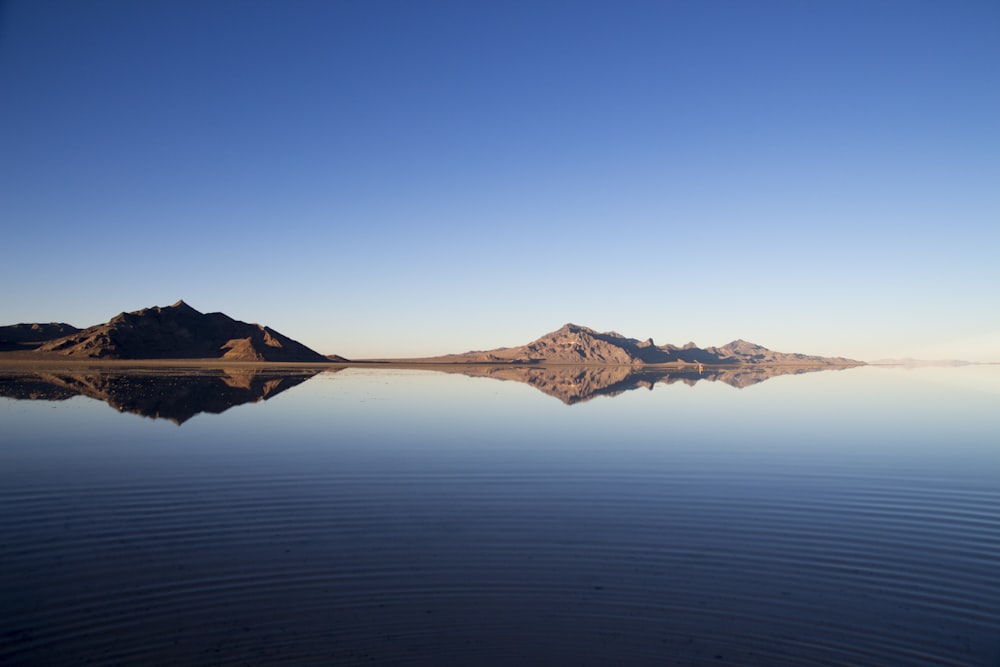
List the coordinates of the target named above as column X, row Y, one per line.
column 416, row 517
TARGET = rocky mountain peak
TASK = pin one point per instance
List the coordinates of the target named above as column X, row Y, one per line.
column 570, row 328
column 575, row 344
column 180, row 332
column 740, row 345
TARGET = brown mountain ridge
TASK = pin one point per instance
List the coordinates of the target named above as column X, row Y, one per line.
column 575, row 344
column 179, row 332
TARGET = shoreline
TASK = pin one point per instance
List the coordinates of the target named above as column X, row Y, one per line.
column 24, row 361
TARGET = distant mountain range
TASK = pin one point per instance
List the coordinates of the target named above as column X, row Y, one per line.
column 575, row 344
column 172, row 332
column 181, row 332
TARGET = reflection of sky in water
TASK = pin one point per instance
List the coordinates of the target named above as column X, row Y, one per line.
column 885, row 419
column 860, row 411
column 836, row 515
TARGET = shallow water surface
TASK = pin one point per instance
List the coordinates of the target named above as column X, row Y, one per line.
column 401, row 516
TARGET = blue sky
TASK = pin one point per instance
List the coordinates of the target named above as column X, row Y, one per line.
column 411, row 178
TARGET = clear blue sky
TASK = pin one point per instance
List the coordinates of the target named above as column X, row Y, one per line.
column 408, row 178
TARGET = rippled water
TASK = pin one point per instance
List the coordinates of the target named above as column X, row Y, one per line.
column 835, row 518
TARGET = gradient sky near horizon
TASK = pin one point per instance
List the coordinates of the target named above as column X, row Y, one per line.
column 394, row 178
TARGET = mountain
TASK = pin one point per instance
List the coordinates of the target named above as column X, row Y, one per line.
column 30, row 336
column 180, row 332
column 574, row 344
column 743, row 352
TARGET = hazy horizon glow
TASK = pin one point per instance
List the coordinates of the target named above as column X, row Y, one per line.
column 410, row 179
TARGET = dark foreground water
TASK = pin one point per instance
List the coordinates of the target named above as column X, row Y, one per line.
column 836, row 518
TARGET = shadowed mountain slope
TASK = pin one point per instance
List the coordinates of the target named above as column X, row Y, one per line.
column 30, row 336
column 180, row 332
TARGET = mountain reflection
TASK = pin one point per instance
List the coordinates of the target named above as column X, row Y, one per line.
column 576, row 384
column 179, row 395
column 174, row 395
